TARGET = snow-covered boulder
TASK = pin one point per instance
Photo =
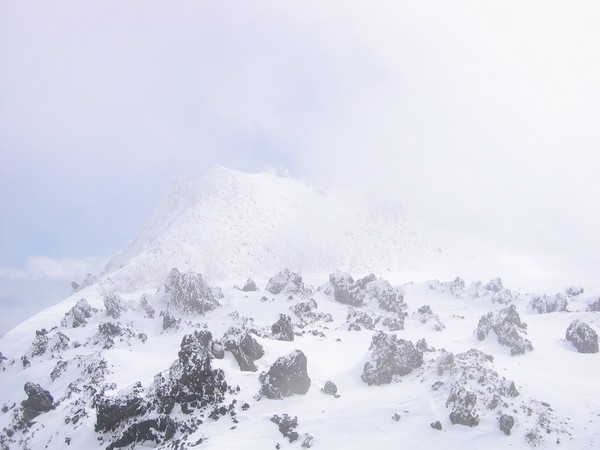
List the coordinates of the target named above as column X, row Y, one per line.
column 286, row 282
column 346, row 290
column 574, row 291
column 505, row 423
column 358, row 319
column 114, row 305
column 169, row 322
column 188, row 293
column 329, row 388
column 307, row 313
column 38, row 401
column 77, row 316
column 389, row 358
column 283, row 330
column 507, row 326
column 287, row 376
column 250, row 286
column 544, row 304
column 426, row 316
column 112, row 410
column 583, row 337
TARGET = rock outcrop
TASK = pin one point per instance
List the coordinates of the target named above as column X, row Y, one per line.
column 244, row 348
column 38, row 401
column 283, row 329
column 286, row 282
column 77, row 316
column 287, row 376
column 507, row 326
column 390, row 358
column 583, row 337
column 188, row 293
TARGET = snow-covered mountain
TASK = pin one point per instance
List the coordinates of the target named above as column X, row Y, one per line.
column 232, row 321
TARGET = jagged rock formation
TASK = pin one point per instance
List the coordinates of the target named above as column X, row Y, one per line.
column 594, row 306
column 109, row 333
column 146, row 307
column 244, row 348
column 169, row 322
column 110, row 411
column 390, row 358
column 287, row 376
column 508, row 328
column 359, row 320
column 187, row 293
column 583, row 337
column 77, row 316
column 45, row 343
column 287, row 426
column 283, row 329
column 427, row 316
column 307, row 313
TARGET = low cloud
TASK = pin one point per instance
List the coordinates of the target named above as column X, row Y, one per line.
column 55, row 269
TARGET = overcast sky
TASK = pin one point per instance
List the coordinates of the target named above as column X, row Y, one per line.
column 481, row 116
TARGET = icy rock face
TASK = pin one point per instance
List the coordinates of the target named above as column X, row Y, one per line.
column 583, row 337
column 508, row 327
column 114, row 305
column 191, row 381
column 287, row 376
column 38, row 401
column 390, row 358
column 244, row 348
column 359, row 320
column 77, row 316
column 250, row 286
column 543, row 304
column 187, row 293
column 283, row 330
column 286, row 282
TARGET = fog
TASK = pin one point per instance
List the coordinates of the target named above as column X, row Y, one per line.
column 478, row 116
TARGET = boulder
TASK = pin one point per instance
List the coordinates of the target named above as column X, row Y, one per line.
column 286, row 282
column 359, row 320
column 330, row 388
column 287, row 426
column 583, row 337
column 110, row 411
column 77, row 316
column 508, row 328
column 244, row 348
column 114, row 305
column 287, row 376
column 38, row 401
column 389, row 358
column 250, row 286
column 283, row 330
column 464, row 410
column 505, row 423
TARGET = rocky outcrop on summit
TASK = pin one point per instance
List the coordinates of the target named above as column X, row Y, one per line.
column 191, row 382
column 250, row 286
column 508, row 328
column 583, row 337
column 287, row 376
column 286, row 282
column 188, row 293
column 114, row 305
column 283, row 330
column 77, row 316
column 38, row 401
column 390, row 358
column 544, row 304
column 244, row 348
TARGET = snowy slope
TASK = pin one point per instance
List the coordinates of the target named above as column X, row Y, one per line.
column 229, row 226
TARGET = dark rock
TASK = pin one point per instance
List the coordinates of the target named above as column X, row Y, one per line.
column 308, row 314
column 544, row 304
column 38, row 401
column 574, row 291
column 345, row 290
column 191, row 380
column 437, row 425
column 583, row 337
column 445, row 362
column 287, row 425
column 283, row 330
column 308, row 440
column 114, row 305
column 110, row 411
column 358, row 320
column 330, row 388
column 77, row 316
column 396, row 417
column 464, row 411
column 426, row 315
column 161, row 429
column 286, row 282
column 508, row 327
column 169, row 322
column 287, row 376
column 388, row 298
column 390, row 358
column 506, row 422
column 58, row 370
column 495, row 285
column 188, row 293
column 244, row 348
column 250, row 286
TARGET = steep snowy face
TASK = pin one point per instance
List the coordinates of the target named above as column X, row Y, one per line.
column 231, row 224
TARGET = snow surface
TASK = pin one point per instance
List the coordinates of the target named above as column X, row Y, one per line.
column 231, row 225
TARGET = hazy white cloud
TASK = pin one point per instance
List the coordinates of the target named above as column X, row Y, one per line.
column 55, row 269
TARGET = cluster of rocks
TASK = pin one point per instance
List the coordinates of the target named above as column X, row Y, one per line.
column 244, row 348
column 110, row 333
column 390, row 358
column 38, row 401
column 594, row 306
column 508, row 327
column 287, row 376
column 582, row 336
column 46, row 342
column 146, row 307
column 283, row 330
column 426, row 316
column 188, row 293
column 307, row 313
column 544, row 304
column 114, row 305
column 494, row 290
column 77, row 316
